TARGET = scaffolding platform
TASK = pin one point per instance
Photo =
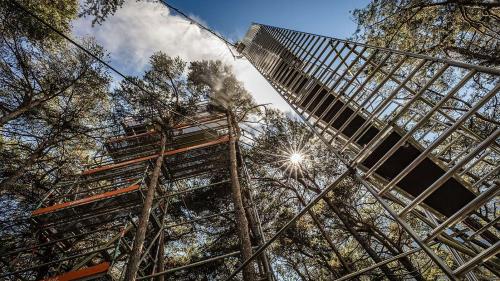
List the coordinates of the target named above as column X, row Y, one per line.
column 94, row 203
column 96, row 272
column 85, row 226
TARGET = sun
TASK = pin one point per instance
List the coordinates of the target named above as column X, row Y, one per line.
column 293, row 156
column 296, row 158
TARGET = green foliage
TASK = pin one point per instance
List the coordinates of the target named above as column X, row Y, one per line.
column 53, row 101
column 58, row 13
column 466, row 30
column 163, row 91
column 100, row 9
column 360, row 230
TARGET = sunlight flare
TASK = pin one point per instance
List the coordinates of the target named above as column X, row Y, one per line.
column 296, row 158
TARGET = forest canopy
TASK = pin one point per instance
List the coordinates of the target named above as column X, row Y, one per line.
column 62, row 107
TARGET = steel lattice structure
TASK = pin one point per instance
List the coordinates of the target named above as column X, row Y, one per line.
column 414, row 144
column 410, row 145
column 84, row 228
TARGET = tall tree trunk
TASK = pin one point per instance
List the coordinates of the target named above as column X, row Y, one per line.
column 252, row 221
column 255, row 226
column 161, row 246
column 161, row 253
column 135, row 255
column 243, row 232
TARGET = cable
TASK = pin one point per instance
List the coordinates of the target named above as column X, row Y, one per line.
column 24, row 9
column 222, row 38
column 197, row 23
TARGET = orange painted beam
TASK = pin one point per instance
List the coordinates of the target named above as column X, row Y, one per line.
column 124, row 163
column 81, row 273
column 145, row 158
column 82, row 201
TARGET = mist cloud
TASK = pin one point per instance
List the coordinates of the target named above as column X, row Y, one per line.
column 139, row 29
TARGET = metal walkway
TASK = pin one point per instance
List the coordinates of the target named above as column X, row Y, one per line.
column 413, row 128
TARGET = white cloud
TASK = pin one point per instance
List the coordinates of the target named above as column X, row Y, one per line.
column 139, row 29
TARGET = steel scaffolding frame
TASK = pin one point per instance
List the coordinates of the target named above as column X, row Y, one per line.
column 365, row 103
column 380, row 111
column 85, row 224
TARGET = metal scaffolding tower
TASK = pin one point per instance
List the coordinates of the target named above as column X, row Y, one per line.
column 416, row 146
column 85, row 227
column 399, row 122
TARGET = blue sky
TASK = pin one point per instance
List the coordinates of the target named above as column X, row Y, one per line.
column 139, row 29
column 232, row 17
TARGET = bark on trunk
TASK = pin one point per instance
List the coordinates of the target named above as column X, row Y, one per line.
column 243, row 232
column 252, row 220
column 135, row 255
column 19, row 111
column 255, row 227
column 161, row 246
